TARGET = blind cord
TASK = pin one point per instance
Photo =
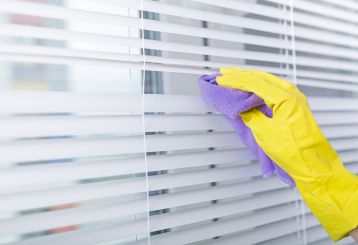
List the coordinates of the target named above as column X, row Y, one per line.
column 294, row 74
column 143, row 120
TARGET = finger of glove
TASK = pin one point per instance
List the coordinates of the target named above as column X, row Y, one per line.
column 289, row 87
column 272, row 79
column 233, row 69
column 295, row 95
column 275, row 80
column 271, row 94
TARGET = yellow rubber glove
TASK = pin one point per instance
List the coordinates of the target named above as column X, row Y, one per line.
column 294, row 141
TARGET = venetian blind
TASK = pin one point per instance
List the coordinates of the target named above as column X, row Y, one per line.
column 104, row 136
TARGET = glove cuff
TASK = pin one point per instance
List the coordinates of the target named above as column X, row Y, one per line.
column 333, row 199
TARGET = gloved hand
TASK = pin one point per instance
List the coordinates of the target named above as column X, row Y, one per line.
column 223, row 99
column 294, row 141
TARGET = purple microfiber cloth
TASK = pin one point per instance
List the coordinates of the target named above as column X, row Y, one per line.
column 231, row 102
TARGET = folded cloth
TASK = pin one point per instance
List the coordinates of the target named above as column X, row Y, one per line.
column 231, row 102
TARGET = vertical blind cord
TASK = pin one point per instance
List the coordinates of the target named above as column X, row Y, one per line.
column 294, row 71
column 143, row 120
column 293, row 43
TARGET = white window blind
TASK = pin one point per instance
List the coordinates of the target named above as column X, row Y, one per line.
column 104, row 138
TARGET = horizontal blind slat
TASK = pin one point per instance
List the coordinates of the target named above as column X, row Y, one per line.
column 258, row 9
column 324, row 8
column 205, row 213
column 47, row 174
column 106, row 57
column 42, row 126
column 196, row 159
column 110, row 63
column 91, row 235
column 345, row 4
column 72, row 194
column 42, row 150
column 225, row 226
column 75, row 216
column 260, row 234
column 64, row 102
column 87, row 103
column 201, row 195
column 325, row 37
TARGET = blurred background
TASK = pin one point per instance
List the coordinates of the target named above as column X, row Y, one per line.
column 104, row 138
